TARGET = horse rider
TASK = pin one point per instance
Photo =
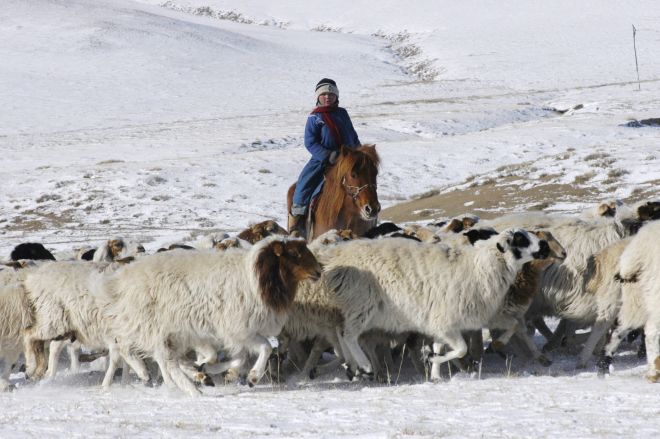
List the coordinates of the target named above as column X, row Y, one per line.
column 328, row 128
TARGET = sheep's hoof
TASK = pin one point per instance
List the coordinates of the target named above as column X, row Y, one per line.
column 641, row 352
column 231, row 376
column 252, row 379
column 203, row 379
column 369, row 376
column 604, row 364
column 544, row 361
column 313, row 373
column 349, row 372
column 436, row 380
column 6, row 387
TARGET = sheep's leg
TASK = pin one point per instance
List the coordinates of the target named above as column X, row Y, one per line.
column 35, row 357
column 353, row 346
column 205, row 354
column 55, row 348
column 595, row 336
column 605, row 360
column 113, row 363
column 232, row 367
column 260, row 345
column 560, row 333
column 319, row 346
column 435, row 366
column 542, row 327
column 135, row 363
column 73, row 349
column 160, row 359
column 195, row 373
column 336, row 344
column 528, row 342
column 172, row 373
column 125, row 373
column 296, row 354
column 346, row 353
column 387, row 359
column 415, row 345
column 457, row 344
column 652, row 342
column 9, row 357
column 369, row 345
column 511, row 326
column 475, row 344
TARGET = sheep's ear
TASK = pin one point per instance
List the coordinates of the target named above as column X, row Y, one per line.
column 473, row 236
column 278, row 248
column 504, row 244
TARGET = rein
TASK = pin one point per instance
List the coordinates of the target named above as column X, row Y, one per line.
column 354, row 191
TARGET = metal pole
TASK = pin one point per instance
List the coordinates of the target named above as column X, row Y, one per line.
column 639, row 85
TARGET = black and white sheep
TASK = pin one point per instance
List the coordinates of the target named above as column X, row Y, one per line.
column 433, row 289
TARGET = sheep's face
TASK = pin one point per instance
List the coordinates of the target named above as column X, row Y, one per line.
column 524, row 246
column 296, row 257
column 275, row 229
column 649, row 211
column 607, row 209
column 116, row 247
column 556, row 250
column 280, row 266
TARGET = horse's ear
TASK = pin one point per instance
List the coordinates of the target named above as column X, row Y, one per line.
column 345, row 150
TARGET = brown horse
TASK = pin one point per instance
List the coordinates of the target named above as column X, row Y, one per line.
column 349, row 199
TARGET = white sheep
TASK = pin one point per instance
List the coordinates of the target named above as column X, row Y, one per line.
column 639, row 271
column 15, row 317
column 67, row 304
column 397, row 285
column 168, row 302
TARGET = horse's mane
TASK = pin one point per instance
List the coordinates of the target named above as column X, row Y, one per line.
column 332, row 198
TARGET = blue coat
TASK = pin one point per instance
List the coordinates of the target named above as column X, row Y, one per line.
column 318, row 138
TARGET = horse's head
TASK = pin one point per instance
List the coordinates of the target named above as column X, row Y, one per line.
column 357, row 170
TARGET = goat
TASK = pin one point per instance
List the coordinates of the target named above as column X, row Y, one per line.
column 167, row 302
column 434, row 289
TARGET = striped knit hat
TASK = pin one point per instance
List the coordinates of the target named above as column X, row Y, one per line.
column 326, row 85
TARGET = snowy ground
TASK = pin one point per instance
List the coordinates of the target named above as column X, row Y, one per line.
column 165, row 123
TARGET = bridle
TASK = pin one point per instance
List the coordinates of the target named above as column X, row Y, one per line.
column 354, row 191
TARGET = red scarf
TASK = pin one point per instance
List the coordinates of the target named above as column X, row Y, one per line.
column 325, row 114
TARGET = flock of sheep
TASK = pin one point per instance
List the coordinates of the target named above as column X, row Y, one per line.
column 426, row 291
